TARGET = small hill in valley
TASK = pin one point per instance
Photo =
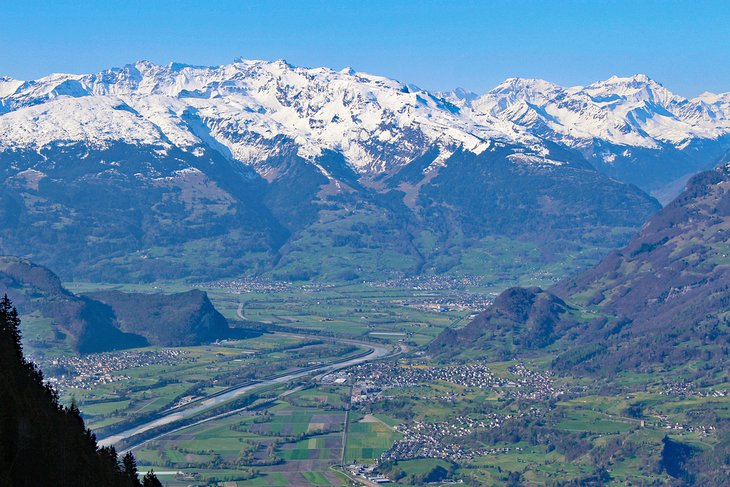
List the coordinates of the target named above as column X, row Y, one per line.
column 108, row 320
column 180, row 319
column 520, row 319
column 60, row 318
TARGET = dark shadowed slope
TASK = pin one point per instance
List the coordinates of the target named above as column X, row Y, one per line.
column 111, row 320
column 76, row 322
column 44, row 443
column 180, row 319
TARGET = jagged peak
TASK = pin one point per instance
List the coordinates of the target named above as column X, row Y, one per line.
column 630, row 84
column 524, row 85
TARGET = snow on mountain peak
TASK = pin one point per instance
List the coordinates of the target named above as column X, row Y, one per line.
column 377, row 123
column 8, row 86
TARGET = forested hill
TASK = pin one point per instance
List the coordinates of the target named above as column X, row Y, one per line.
column 666, row 293
column 44, row 443
column 109, row 320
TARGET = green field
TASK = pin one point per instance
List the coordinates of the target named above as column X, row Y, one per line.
column 617, row 424
column 368, row 437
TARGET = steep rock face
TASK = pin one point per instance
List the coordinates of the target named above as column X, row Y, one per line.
column 519, row 320
column 180, row 319
column 669, row 288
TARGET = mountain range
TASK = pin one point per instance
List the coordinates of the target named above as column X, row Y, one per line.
column 147, row 171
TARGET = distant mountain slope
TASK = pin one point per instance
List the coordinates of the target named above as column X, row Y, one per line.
column 146, row 172
column 92, row 213
column 663, row 300
column 669, row 287
column 55, row 317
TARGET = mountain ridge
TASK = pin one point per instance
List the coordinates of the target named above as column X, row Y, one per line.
column 249, row 167
column 363, row 116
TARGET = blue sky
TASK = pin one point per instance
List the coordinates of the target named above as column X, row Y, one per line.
column 438, row 45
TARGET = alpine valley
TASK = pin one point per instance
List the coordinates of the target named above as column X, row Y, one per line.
column 264, row 275
column 150, row 172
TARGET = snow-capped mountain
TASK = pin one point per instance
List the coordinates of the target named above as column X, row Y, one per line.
column 627, row 127
column 375, row 122
column 149, row 170
column 634, row 111
column 248, row 109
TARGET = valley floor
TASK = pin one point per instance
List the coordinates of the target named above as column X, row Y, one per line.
column 415, row 419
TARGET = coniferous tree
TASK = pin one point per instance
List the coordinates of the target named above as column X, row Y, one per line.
column 129, row 466
column 41, row 442
column 151, row 480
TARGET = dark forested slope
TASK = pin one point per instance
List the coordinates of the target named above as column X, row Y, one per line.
column 44, row 443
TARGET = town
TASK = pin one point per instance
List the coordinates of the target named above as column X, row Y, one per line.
column 371, row 380
column 89, row 371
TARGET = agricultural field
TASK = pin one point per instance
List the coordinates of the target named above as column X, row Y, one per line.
column 490, row 423
column 368, row 436
column 285, row 443
column 143, row 390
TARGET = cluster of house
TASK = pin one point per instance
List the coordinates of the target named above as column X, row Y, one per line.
column 247, row 285
column 665, row 423
column 385, row 375
column 533, row 384
column 89, row 371
column 441, row 440
column 420, row 445
column 260, row 284
column 430, row 282
column 371, row 380
column 463, row 301
column 686, row 389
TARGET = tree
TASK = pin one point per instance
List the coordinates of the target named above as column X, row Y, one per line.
column 10, row 325
column 129, row 466
column 29, row 410
column 151, row 480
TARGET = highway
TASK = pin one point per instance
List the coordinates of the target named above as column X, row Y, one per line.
column 377, row 351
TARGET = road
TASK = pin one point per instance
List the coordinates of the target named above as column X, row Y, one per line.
column 377, row 351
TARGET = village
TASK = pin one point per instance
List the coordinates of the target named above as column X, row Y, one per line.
column 372, row 380
column 441, row 440
column 90, row 371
